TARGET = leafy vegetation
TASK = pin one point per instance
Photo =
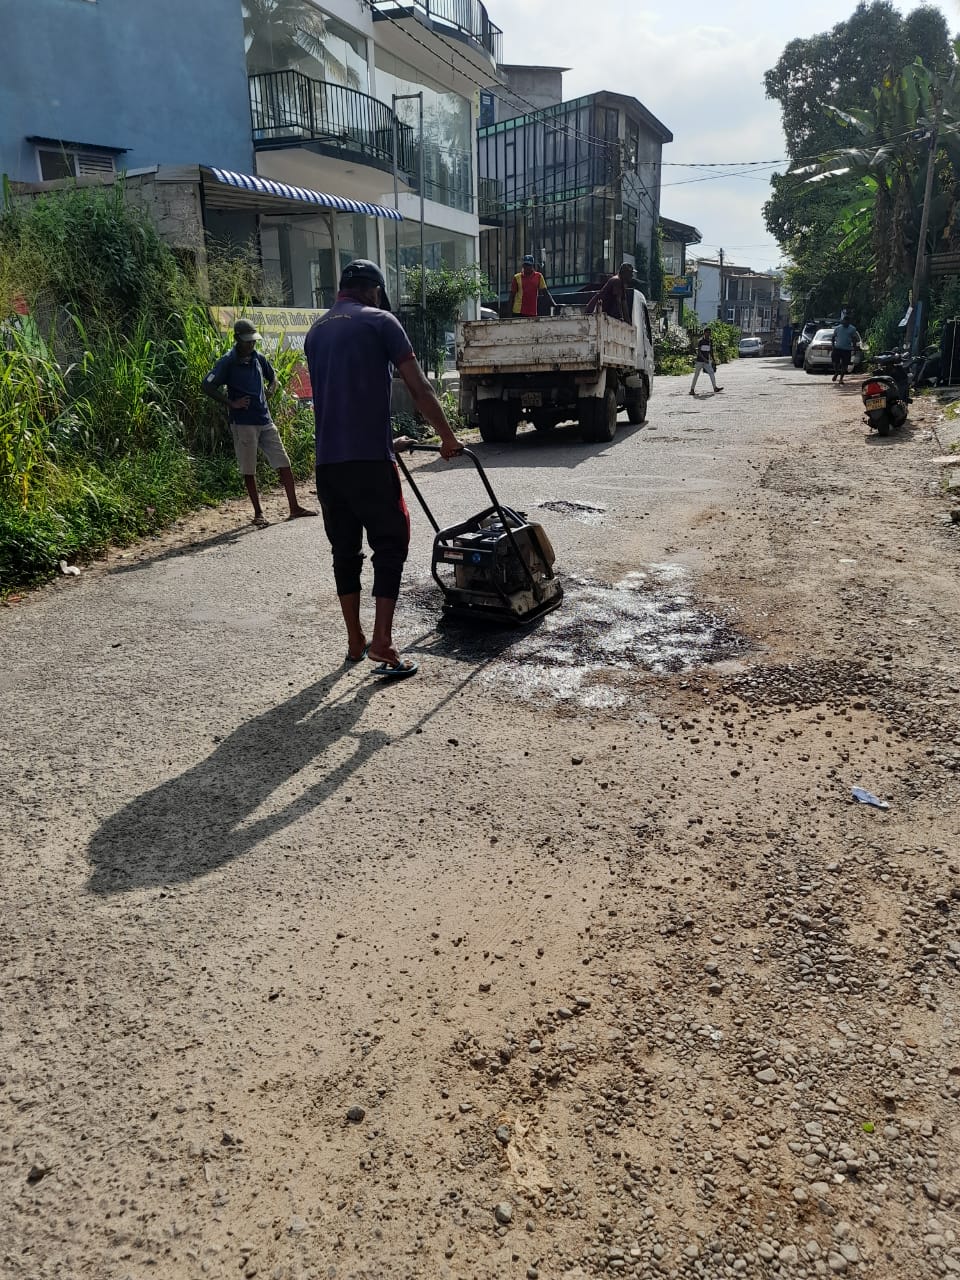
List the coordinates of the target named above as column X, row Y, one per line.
column 673, row 351
column 857, row 105
column 446, row 290
column 104, row 433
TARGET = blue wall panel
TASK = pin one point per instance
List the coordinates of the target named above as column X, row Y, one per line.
column 163, row 78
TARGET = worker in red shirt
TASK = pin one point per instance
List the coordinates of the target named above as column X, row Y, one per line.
column 526, row 287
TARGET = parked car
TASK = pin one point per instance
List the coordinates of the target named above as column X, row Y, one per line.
column 803, row 341
column 818, row 357
column 750, row 347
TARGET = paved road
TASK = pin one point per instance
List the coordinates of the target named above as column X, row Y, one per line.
column 601, row 884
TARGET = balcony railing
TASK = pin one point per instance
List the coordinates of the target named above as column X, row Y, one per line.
column 287, row 107
column 467, row 18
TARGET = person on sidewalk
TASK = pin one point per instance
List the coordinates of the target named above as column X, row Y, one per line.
column 704, row 362
column 526, row 289
column 614, row 297
column 350, row 353
column 845, row 338
column 243, row 380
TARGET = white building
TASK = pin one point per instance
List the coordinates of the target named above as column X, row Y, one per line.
column 321, row 93
column 706, row 290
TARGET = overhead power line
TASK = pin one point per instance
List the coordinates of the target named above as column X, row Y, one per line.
column 534, row 109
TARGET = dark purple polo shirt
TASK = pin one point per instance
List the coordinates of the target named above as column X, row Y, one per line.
column 349, row 353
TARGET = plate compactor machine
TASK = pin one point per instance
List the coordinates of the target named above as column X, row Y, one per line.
column 495, row 566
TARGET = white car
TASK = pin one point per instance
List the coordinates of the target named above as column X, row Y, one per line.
column 818, row 357
column 750, row 347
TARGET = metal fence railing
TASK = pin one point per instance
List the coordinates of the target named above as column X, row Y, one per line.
column 467, row 17
column 286, row 106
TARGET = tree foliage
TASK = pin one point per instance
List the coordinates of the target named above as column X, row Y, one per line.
column 841, row 67
column 847, row 212
column 446, row 289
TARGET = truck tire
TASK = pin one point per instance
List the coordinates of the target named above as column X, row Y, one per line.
column 636, row 405
column 498, row 424
column 598, row 418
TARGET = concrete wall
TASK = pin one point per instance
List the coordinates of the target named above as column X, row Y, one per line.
column 527, row 89
column 165, row 80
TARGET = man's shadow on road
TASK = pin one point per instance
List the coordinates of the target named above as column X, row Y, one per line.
column 199, row 821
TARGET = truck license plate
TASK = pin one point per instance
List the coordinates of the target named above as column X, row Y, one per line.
column 875, row 402
column 531, row 399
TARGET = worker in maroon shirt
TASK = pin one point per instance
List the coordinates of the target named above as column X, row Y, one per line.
column 614, row 297
column 526, row 287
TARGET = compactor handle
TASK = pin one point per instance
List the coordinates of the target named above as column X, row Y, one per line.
column 466, row 453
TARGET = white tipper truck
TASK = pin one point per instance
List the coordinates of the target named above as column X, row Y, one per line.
column 551, row 369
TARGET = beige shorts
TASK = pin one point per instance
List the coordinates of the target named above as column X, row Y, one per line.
column 248, row 439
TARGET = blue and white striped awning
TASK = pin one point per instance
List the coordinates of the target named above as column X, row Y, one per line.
column 301, row 195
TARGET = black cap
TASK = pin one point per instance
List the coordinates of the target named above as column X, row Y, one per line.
column 245, row 331
column 362, row 271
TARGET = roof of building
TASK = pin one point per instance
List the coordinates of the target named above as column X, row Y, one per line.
column 680, row 231
column 629, row 103
column 633, row 105
column 528, row 66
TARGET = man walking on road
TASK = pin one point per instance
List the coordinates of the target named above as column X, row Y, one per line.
column 350, row 352
column 704, row 362
column 845, row 338
column 525, row 290
column 243, row 380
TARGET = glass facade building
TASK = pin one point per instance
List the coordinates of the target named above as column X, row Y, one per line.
column 576, row 185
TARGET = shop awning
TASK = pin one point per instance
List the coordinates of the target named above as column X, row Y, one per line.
column 260, row 188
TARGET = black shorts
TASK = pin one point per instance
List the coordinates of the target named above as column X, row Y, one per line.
column 364, row 497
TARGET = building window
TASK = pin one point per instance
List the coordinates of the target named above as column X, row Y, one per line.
column 68, row 162
column 448, row 129
column 291, row 37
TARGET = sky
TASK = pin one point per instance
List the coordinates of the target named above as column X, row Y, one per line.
column 698, row 67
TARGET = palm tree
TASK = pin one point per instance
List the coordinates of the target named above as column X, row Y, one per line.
column 280, row 34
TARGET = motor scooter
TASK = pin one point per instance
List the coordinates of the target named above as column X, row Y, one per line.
column 886, row 393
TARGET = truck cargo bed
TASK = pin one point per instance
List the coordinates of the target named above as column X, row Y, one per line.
column 542, row 344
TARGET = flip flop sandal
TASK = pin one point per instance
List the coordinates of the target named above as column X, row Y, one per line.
column 360, row 656
column 398, row 670
column 260, row 522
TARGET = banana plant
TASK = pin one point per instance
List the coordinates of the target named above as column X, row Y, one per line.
column 889, row 166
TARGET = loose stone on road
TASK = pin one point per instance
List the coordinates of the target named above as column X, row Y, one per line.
column 573, row 957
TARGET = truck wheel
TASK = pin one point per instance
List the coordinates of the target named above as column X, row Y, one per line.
column 636, row 405
column 498, row 424
column 598, row 418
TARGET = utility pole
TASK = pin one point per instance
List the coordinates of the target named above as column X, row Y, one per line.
column 915, row 323
column 720, row 302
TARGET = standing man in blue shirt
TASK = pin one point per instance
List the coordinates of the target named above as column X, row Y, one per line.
column 242, row 380
column 845, row 338
column 351, row 352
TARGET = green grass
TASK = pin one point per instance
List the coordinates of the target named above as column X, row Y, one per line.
column 105, row 434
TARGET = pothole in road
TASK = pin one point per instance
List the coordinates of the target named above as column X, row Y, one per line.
column 590, row 650
column 582, row 511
